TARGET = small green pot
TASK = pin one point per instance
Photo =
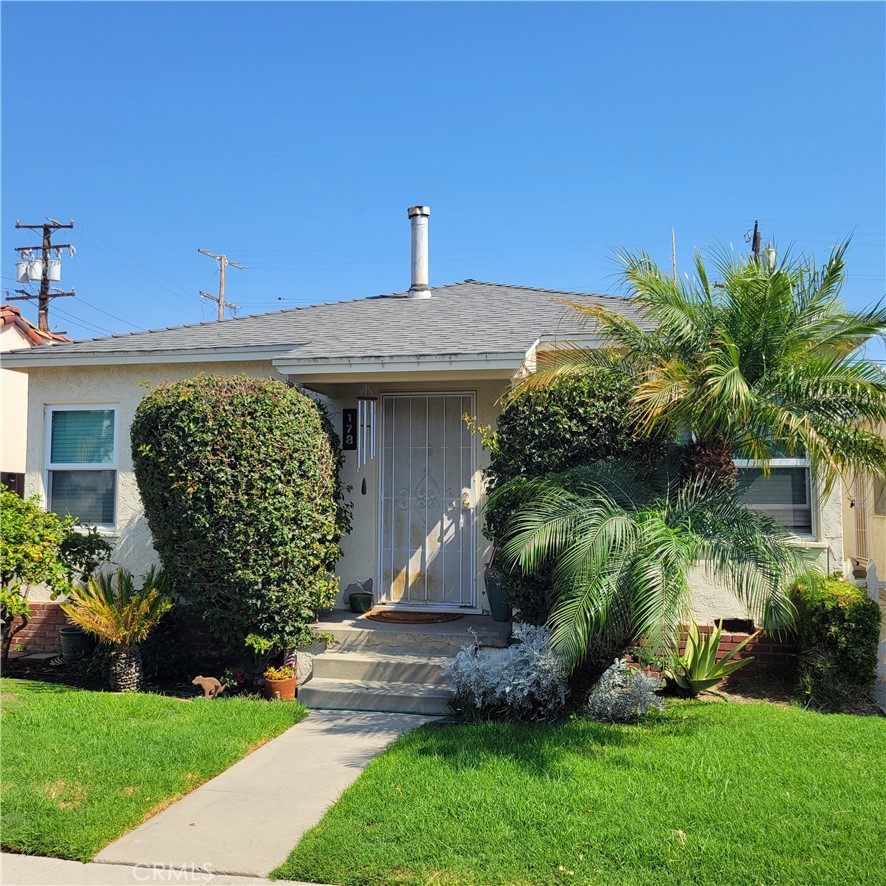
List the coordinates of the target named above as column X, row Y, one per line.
column 360, row 602
column 495, row 593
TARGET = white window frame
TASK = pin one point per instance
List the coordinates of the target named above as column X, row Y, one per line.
column 745, row 463
column 49, row 466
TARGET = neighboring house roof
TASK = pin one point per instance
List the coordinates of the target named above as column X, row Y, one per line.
column 470, row 317
column 10, row 316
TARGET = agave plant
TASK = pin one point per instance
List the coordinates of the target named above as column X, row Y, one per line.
column 110, row 608
column 697, row 669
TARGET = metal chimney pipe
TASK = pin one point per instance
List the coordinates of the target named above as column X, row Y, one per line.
column 418, row 217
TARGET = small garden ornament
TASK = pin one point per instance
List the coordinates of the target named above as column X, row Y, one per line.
column 212, row 688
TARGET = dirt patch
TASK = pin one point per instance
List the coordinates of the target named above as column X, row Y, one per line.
column 64, row 795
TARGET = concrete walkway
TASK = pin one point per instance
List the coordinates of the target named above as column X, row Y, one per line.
column 34, row 870
column 247, row 820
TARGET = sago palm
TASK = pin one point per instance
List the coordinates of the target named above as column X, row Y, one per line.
column 622, row 551
column 110, row 608
column 760, row 364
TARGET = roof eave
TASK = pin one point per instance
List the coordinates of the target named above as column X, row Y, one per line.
column 503, row 365
column 51, row 357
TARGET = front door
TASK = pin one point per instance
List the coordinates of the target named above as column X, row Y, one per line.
column 427, row 516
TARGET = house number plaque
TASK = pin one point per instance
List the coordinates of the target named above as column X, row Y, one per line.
column 349, row 429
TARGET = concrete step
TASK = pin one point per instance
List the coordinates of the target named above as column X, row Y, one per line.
column 375, row 695
column 399, row 639
column 335, row 665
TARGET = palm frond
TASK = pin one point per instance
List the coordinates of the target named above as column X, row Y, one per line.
column 110, row 608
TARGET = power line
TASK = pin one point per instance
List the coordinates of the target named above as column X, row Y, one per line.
column 93, row 326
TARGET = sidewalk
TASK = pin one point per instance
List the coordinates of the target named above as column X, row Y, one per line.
column 24, row 870
column 247, row 820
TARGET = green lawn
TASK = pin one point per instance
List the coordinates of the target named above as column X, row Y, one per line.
column 81, row 768
column 713, row 793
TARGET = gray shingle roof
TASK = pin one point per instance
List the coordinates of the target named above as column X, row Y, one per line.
column 470, row 317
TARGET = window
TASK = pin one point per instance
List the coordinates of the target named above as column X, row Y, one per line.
column 81, row 470
column 786, row 493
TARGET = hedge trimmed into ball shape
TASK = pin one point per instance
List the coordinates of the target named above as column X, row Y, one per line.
column 238, row 476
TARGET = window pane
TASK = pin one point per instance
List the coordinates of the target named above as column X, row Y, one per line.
column 784, row 494
column 82, row 437
column 86, row 495
column 783, row 486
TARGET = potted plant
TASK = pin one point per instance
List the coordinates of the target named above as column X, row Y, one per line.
column 499, row 604
column 280, row 683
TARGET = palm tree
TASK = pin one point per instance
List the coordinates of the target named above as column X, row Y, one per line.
column 111, row 609
column 621, row 552
column 758, row 365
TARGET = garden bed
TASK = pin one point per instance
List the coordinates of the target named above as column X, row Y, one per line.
column 703, row 793
column 81, row 768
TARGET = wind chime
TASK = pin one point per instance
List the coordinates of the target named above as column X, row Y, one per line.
column 366, row 412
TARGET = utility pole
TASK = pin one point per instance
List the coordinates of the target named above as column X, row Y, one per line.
column 223, row 262
column 45, row 294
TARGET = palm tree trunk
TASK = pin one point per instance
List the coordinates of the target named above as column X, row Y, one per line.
column 126, row 670
column 711, row 458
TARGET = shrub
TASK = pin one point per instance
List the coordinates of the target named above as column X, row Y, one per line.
column 623, row 695
column 526, row 681
column 839, row 631
column 578, row 420
column 239, row 479
column 38, row 547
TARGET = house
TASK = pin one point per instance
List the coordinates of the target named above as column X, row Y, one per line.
column 16, row 333
column 422, row 359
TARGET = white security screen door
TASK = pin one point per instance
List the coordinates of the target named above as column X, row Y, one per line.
column 427, row 516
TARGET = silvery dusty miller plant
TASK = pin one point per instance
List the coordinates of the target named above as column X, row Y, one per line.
column 526, row 680
column 622, row 695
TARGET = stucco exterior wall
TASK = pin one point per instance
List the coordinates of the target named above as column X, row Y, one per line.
column 14, row 399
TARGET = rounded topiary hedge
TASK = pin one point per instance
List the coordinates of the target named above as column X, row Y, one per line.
column 239, row 480
column 577, row 420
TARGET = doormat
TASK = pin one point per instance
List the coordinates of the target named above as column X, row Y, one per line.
column 390, row 616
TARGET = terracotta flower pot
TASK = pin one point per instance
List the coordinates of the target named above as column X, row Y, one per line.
column 283, row 689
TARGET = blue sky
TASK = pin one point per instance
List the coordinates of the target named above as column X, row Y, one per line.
column 294, row 136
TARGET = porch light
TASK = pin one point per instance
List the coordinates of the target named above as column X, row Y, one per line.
column 366, row 411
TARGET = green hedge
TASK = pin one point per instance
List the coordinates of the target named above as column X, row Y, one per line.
column 239, row 479
column 578, row 420
column 839, row 632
